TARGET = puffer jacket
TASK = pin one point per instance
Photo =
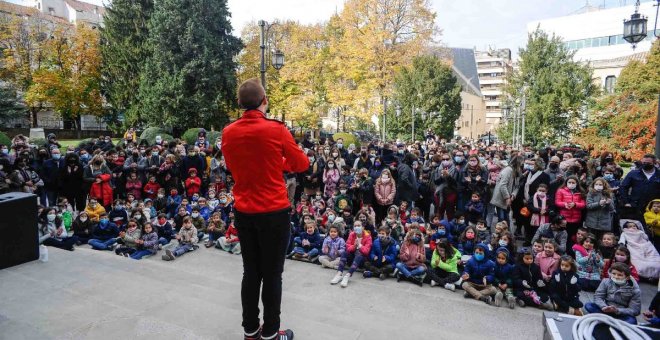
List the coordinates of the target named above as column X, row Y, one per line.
column 478, row 270
column 188, row 236
column 102, row 192
column 131, row 237
column 652, row 219
column 410, row 251
column 390, row 252
column 385, row 192
column 364, row 246
column 333, row 248
column 565, row 195
column 530, row 273
column 548, row 264
column 626, row 298
column 589, row 265
column 564, row 285
column 150, row 241
column 450, row 265
column 314, row 239
column 599, row 217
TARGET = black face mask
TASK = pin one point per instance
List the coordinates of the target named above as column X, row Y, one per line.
column 647, row 166
column 554, row 166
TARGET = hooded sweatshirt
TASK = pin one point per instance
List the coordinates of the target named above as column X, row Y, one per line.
column 478, row 270
column 652, row 219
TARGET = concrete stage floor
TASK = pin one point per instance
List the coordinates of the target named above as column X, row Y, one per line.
column 89, row 294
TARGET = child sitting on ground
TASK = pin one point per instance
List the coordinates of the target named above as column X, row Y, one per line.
column 530, row 288
column 307, row 244
column 94, row 210
column 333, row 248
column 478, row 276
column 163, row 228
column 618, row 296
column 147, row 245
column 104, row 235
column 415, row 217
column 537, row 247
column 216, row 229
column 589, row 263
column 564, row 288
column 412, row 258
column 467, row 243
column 547, row 260
column 621, row 255
column 128, row 238
column 187, row 238
column 382, row 258
column 483, row 235
column 230, row 243
column 503, row 278
column 358, row 248
column 607, row 246
column 444, row 266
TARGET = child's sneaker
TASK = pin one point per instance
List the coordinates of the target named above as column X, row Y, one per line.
column 168, row 256
column 297, row 256
column 512, row 301
column 208, row 244
column 433, row 283
column 467, row 295
column 313, row 259
column 335, row 280
column 487, row 299
column 344, row 281
column 281, row 335
column 498, row 299
column 521, row 303
column 382, row 276
column 366, row 274
column 450, row 286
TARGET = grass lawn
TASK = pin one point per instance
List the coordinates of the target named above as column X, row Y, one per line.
column 66, row 143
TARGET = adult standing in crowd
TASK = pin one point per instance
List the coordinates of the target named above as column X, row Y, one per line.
column 258, row 151
column 641, row 186
column 506, row 188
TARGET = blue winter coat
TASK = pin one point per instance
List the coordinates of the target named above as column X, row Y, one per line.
column 480, row 269
column 105, row 231
column 50, row 172
column 315, row 240
column 391, row 252
column 467, row 247
column 164, row 231
column 504, row 274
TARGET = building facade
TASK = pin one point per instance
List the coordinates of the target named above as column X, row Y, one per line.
column 493, row 67
column 596, row 36
column 73, row 11
column 473, row 122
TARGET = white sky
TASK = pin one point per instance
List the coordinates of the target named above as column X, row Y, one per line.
column 465, row 23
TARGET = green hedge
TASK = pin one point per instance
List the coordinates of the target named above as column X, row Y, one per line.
column 4, row 139
column 190, row 136
column 348, row 139
column 149, row 134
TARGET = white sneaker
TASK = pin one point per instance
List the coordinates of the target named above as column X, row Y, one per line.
column 450, row 286
column 344, row 281
column 335, row 280
column 433, row 283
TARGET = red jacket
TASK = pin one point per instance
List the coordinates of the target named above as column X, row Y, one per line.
column 151, row 190
column 364, row 246
column 134, row 187
column 231, row 233
column 253, row 147
column 563, row 196
column 102, row 192
column 192, row 185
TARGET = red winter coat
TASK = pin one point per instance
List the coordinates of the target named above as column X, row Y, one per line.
column 102, row 192
column 192, row 185
column 151, row 190
column 563, row 196
column 364, row 246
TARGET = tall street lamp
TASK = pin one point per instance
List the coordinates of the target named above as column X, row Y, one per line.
column 634, row 31
column 277, row 57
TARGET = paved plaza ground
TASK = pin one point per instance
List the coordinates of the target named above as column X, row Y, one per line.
column 89, row 294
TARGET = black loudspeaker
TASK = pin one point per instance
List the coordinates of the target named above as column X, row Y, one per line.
column 19, row 236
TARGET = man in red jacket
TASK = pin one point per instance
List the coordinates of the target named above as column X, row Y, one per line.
column 254, row 148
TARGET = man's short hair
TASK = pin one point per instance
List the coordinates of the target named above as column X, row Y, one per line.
column 251, row 94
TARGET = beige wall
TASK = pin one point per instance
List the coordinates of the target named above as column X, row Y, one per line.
column 472, row 122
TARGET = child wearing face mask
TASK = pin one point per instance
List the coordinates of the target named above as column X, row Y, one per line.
column 570, row 202
column 483, row 235
column 198, row 222
column 458, row 225
column 600, row 207
column 478, row 276
column 333, row 248
column 415, row 217
column 503, row 278
column 307, row 244
column 129, row 238
column 564, row 288
column 104, row 235
column 618, row 296
column 474, row 209
column 412, row 258
column 330, row 177
column 539, row 206
column 506, row 241
column 392, row 221
column 383, row 256
column 589, row 263
column 82, row 227
column 607, row 247
column 212, row 199
column 621, row 255
column 358, row 248
column 94, row 210
column 528, row 277
column 164, row 229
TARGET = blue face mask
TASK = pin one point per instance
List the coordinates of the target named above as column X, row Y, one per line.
column 103, row 221
column 5, row 151
column 416, row 239
column 357, row 230
column 57, row 156
column 84, row 157
column 458, row 159
column 479, row 257
column 503, row 243
column 441, row 232
column 608, row 177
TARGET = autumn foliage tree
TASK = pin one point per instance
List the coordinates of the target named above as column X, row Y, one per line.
column 625, row 121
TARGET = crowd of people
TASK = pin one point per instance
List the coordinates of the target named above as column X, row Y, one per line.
column 529, row 227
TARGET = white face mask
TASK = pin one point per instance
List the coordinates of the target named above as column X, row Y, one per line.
column 83, row 219
column 334, row 154
column 330, row 166
column 618, row 282
column 386, row 177
column 137, row 217
column 598, row 187
column 571, row 186
column 195, row 215
column 342, row 191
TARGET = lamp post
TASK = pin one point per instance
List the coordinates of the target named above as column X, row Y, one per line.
column 634, row 31
column 277, row 57
column 506, row 111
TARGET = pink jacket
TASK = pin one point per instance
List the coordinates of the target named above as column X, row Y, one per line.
column 493, row 172
column 563, row 196
column 365, row 244
column 385, row 192
column 409, row 253
column 548, row 264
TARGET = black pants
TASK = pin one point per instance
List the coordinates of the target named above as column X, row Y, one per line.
column 376, row 271
column 441, row 277
column 264, row 239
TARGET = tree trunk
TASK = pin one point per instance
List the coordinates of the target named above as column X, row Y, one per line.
column 33, row 118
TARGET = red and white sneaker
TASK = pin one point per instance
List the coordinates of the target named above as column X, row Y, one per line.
column 281, row 335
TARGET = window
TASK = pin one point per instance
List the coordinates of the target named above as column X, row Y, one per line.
column 39, row 5
column 51, row 10
column 612, row 40
column 610, row 82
